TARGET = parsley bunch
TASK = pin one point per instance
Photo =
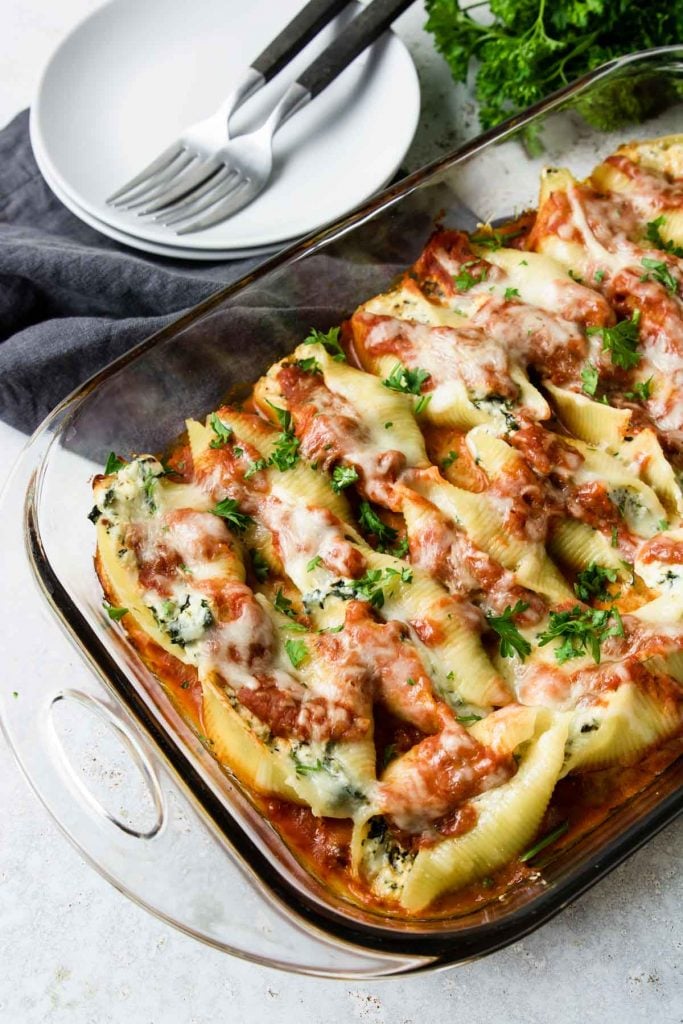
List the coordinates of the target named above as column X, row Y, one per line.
column 526, row 49
column 581, row 632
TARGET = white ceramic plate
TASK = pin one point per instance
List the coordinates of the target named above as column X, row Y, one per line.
column 136, row 243
column 127, row 80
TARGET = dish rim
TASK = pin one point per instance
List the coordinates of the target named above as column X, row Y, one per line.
column 469, row 941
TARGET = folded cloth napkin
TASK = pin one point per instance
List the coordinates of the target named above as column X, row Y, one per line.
column 71, row 299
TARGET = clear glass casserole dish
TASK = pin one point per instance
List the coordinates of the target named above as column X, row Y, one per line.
column 204, row 859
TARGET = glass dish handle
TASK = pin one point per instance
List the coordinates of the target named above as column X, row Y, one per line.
column 171, row 863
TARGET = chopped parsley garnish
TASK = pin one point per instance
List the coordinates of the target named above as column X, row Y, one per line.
column 223, row 433
column 342, row 477
column 449, row 460
column 592, row 582
column 663, row 524
column 114, row 464
column 310, row 365
column 297, row 652
column 511, row 293
column 410, row 681
column 464, row 280
column 402, row 378
column 238, row 452
column 228, row 509
column 388, row 425
column 422, row 403
column 369, row 586
column 654, row 236
column 370, row 522
column 467, row 719
column 401, row 549
column 285, row 454
column 314, row 563
column 621, row 341
column 255, row 467
column 582, row 631
column 259, row 565
column 511, row 640
column 551, row 837
column 329, row 341
column 575, row 277
column 660, row 272
column 302, row 768
column 589, row 379
column 641, row 391
column 283, row 605
column 114, row 612
column 599, row 275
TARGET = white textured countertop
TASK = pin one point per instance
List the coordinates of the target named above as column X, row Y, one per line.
column 72, row 949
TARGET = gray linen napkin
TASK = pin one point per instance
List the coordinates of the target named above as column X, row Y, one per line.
column 71, row 299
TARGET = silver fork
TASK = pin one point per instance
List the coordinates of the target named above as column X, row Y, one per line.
column 235, row 173
column 188, row 161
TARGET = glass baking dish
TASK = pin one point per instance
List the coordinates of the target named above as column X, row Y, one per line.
column 204, row 859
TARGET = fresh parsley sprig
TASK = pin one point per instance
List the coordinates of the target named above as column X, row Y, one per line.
column 511, row 640
column 621, row 341
column 222, row 432
column 228, row 509
column 654, row 236
column 114, row 464
column 343, row 477
column 660, row 272
column 582, row 631
column 591, row 582
column 402, row 378
column 329, row 341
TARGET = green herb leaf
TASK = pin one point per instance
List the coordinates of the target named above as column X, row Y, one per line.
column 467, row 719
column 511, row 640
column 283, row 605
column 370, row 522
column 314, row 563
column 582, row 631
column 297, row 651
column 621, row 341
column 551, row 837
column 653, row 235
column 592, row 582
column 342, row 477
column 660, row 272
column 329, row 341
column 590, row 378
column 114, row 464
column 599, row 275
column 449, row 460
column 310, row 365
column 114, row 612
column 641, row 391
column 228, row 509
column 464, row 280
column 255, row 467
column 406, row 380
column 511, row 293
column 223, row 433
column 422, row 403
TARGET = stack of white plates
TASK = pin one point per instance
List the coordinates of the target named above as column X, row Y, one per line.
column 129, row 78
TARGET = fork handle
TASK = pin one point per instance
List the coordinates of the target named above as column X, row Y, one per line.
column 300, row 30
column 365, row 28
